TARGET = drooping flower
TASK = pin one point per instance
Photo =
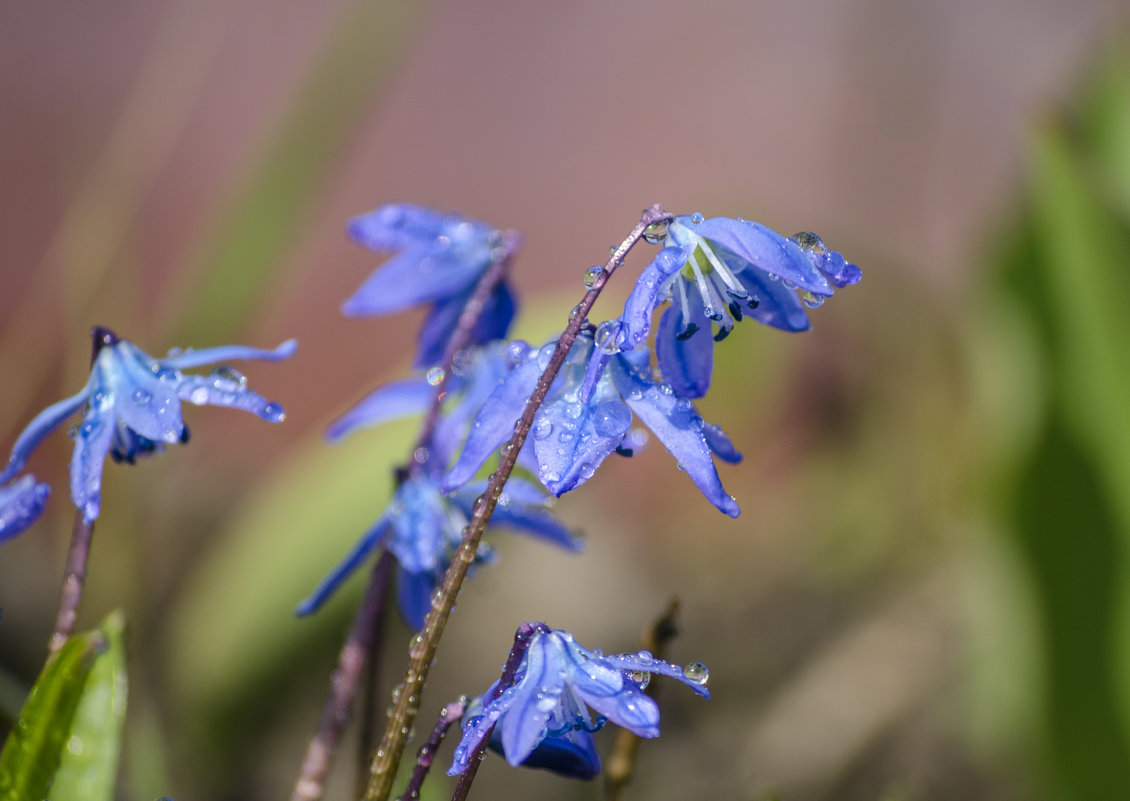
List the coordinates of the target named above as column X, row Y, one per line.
column 132, row 407
column 542, row 719
column 20, row 503
column 717, row 271
column 439, row 259
column 423, row 529
column 586, row 416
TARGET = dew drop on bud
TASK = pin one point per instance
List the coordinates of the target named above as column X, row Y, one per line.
column 812, row 301
column 655, row 233
column 230, row 375
column 592, row 274
column 696, row 673
column 435, row 376
column 696, row 218
column 640, row 677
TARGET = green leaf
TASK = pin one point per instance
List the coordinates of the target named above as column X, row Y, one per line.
column 89, row 765
column 57, row 724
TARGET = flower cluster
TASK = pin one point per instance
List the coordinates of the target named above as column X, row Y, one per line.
column 542, row 718
column 131, row 407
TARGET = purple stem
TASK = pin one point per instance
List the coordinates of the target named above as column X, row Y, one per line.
column 522, row 639
column 343, row 686
column 426, row 755
column 422, row 651
column 73, row 580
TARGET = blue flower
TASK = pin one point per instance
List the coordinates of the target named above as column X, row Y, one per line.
column 717, row 271
column 132, row 407
column 439, row 259
column 423, row 529
column 586, row 416
column 543, row 719
column 20, row 503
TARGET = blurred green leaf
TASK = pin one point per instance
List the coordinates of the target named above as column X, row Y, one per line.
column 67, row 737
column 89, row 766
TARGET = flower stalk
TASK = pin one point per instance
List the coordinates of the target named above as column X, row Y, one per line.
column 422, row 651
column 450, row 714
column 74, row 579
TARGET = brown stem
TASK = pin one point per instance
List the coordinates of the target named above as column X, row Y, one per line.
column 73, row 580
column 343, row 686
column 422, row 651
column 621, row 763
column 427, row 753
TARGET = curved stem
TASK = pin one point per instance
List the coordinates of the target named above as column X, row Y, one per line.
column 426, row 755
column 73, row 580
column 422, row 651
column 343, row 686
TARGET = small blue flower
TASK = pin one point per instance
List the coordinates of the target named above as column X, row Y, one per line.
column 132, row 407
column 439, row 259
column 423, row 529
column 586, row 416
column 543, row 718
column 20, row 503
column 717, row 271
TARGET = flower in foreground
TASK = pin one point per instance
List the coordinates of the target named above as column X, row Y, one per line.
column 543, row 720
column 20, row 503
column 132, row 407
column 716, row 272
column 586, row 416
column 439, row 259
column 423, row 529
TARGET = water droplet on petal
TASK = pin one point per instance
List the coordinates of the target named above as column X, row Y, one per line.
column 543, row 428
column 696, row 218
column 640, row 677
column 273, row 413
column 607, row 337
column 809, row 241
column 812, row 301
column 696, row 673
column 229, row 375
column 141, row 396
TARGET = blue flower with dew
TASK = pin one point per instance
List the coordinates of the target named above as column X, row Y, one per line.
column 21, row 502
column 542, row 720
column 439, row 259
column 586, row 416
column 132, row 407
column 423, row 528
column 716, row 272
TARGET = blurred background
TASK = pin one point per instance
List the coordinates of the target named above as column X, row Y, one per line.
column 927, row 595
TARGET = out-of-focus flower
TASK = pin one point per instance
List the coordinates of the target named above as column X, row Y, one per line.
column 423, row 529
column 132, row 407
column 20, row 503
column 542, row 718
column 587, row 415
column 717, row 271
column 439, row 259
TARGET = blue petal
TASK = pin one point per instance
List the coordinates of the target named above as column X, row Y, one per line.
column 720, row 443
column 396, row 226
column 495, row 422
column 646, row 663
column 525, row 724
column 537, row 522
column 497, row 315
column 91, row 445
column 43, row 424
column 431, row 342
column 675, row 422
column 651, row 289
column 144, row 396
column 215, row 390
column 20, row 503
column 839, row 271
column 476, row 729
column 415, row 275
column 765, row 250
column 629, row 708
column 777, row 305
column 188, row 359
column 344, row 568
column 414, row 596
column 422, row 526
column 397, row 399
column 572, row 754
column 687, row 363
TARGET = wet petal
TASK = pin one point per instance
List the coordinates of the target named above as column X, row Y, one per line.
column 344, row 568
column 675, row 422
column 687, row 362
column 393, row 400
column 414, row 596
column 777, row 306
column 188, row 359
column 629, row 708
column 764, row 249
column 44, row 423
column 644, row 662
column 572, row 439
column 651, row 289
column 720, row 443
column 145, row 395
column 91, row 445
column 395, row 226
column 217, row 390
column 413, row 276
column 21, row 503
column 535, row 698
